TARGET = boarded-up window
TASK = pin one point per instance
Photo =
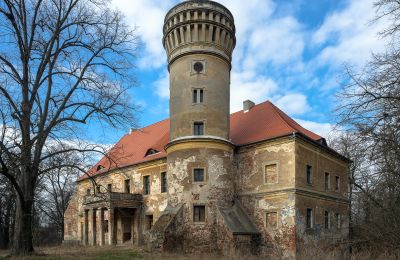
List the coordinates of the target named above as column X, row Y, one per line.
column 272, row 219
column 271, row 174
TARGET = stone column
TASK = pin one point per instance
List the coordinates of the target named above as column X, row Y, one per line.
column 111, row 219
column 86, row 228
column 94, row 229
column 101, row 227
column 137, row 226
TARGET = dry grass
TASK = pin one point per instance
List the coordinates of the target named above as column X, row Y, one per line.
column 108, row 253
column 129, row 252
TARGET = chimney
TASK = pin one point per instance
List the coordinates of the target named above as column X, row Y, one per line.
column 132, row 130
column 248, row 105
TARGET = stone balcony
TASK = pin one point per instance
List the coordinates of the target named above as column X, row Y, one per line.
column 113, row 200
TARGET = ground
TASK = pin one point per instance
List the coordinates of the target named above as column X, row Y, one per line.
column 107, row 253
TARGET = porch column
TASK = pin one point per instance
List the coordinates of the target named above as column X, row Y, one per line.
column 93, row 225
column 111, row 219
column 101, row 227
column 86, row 228
column 137, row 226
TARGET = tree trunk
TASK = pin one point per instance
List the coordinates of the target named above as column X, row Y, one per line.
column 23, row 234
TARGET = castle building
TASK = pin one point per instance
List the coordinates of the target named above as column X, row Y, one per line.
column 207, row 180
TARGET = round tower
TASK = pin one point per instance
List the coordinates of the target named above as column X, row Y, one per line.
column 199, row 37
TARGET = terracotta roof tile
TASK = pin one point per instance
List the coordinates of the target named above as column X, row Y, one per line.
column 262, row 122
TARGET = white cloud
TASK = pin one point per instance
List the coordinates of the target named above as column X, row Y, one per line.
column 249, row 85
column 293, row 104
column 148, row 17
column 280, row 41
column 348, row 36
column 322, row 129
column 162, row 86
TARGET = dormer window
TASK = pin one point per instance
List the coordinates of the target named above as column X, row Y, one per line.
column 151, row 151
column 100, row 167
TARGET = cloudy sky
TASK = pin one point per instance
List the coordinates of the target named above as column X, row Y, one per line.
column 291, row 52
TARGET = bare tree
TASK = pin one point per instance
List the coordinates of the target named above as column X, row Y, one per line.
column 56, row 188
column 370, row 112
column 63, row 64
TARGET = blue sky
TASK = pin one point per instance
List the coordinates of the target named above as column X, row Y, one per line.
column 291, row 52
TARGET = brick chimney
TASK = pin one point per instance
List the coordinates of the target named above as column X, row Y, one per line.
column 248, row 105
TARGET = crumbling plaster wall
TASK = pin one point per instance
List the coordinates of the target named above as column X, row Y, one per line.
column 260, row 198
column 216, row 190
column 154, row 203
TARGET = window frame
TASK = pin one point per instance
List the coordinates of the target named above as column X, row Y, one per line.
column 204, row 175
column 163, row 182
column 127, row 185
column 277, row 219
column 337, row 183
column 327, row 220
column 277, row 172
column 309, row 174
column 194, row 212
column 149, row 225
column 198, row 96
column 327, row 181
column 309, row 218
column 146, row 189
column 109, row 187
column 198, row 123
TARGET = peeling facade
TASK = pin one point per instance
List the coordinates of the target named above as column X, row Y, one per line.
column 254, row 182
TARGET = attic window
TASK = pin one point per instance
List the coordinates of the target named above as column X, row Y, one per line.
column 100, row 167
column 151, row 151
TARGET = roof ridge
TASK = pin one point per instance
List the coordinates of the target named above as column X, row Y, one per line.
column 153, row 124
column 278, row 112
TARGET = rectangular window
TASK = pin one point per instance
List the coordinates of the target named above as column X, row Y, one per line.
column 98, row 189
column 338, row 221
column 327, row 220
column 309, row 174
column 198, row 175
column 88, row 192
column 109, row 187
column 199, row 213
column 309, row 218
column 149, row 222
column 198, row 128
column 164, row 182
column 69, row 228
column 337, row 183
column 327, row 184
column 271, row 174
column 198, row 96
column 272, row 219
column 106, row 226
column 127, row 186
column 146, row 185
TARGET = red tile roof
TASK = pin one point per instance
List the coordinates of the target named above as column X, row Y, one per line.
column 264, row 121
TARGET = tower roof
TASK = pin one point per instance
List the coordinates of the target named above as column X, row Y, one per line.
column 263, row 122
